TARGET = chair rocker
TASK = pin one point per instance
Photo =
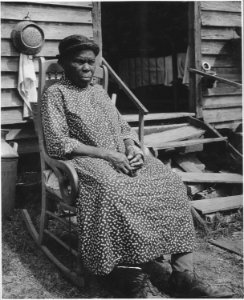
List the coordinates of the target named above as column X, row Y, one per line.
column 59, row 188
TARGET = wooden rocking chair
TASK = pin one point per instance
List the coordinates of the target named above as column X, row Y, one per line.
column 62, row 183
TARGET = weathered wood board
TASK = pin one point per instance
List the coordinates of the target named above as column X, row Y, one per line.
column 183, row 133
column 211, row 177
column 207, row 206
column 229, row 245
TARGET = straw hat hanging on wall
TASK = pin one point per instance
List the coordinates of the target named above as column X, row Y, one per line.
column 27, row 37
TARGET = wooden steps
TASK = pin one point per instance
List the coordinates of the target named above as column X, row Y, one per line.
column 160, row 145
column 158, row 139
column 210, row 177
column 157, row 116
column 160, row 128
column 206, row 206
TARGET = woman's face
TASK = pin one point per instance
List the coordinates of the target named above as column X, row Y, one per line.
column 80, row 67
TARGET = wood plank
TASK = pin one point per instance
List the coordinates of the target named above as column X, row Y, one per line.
column 11, row 64
column 220, row 61
column 10, row 98
column 21, row 134
column 211, row 177
column 231, row 125
column 52, row 31
column 211, row 102
column 187, row 143
column 189, row 163
column 159, row 128
column 12, row 116
column 235, row 246
column 234, row 6
column 220, row 19
column 222, row 114
column 10, row 80
column 45, row 13
column 157, row 116
column 207, row 206
column 178, row 134
column 221, row 33
column 50, row 49
column 214, row 47
column 223, row 90
column 84, row 4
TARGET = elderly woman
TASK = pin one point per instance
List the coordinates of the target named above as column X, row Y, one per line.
column 131, row 208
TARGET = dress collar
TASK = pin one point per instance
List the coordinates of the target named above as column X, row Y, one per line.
column 69, row 83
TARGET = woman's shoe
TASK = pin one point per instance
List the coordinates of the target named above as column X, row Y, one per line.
column 131, row 283
column 159, row 274
column 187, row 285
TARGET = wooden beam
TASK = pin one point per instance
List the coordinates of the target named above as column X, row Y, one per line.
column 207, row 206
column 211, row 177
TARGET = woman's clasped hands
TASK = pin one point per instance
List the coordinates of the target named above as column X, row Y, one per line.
column 127, row 164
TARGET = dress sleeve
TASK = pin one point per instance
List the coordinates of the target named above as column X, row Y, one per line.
column 55, row 127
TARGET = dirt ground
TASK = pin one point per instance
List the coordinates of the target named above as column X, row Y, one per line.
column 27, row 273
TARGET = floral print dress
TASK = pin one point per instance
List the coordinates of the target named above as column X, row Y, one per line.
column 122, row 219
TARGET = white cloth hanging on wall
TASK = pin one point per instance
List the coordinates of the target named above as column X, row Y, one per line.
column 27, row 83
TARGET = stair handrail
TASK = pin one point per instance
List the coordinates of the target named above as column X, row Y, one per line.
column 142, row 109
column 221, row 79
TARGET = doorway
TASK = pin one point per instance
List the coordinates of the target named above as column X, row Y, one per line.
column 146, row 44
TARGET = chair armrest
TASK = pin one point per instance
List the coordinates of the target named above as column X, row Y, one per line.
column 67, row 178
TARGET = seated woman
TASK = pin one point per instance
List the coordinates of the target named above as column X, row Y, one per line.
column 131, row 208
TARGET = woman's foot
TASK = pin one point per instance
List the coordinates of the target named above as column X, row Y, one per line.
column 132, row 283
column 187, row 285
column 159, row 273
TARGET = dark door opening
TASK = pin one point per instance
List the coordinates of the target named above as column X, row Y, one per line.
column 146, row 44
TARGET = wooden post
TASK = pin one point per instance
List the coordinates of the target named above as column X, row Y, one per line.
column 194, row 16
column 141, row 129
column 97, row 28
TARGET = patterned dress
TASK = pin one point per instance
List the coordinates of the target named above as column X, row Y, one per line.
column 122, row 219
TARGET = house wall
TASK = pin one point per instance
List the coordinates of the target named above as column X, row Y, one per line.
column 221, row 47
column 58, row 20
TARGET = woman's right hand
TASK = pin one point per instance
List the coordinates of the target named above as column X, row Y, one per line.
column 119, row 161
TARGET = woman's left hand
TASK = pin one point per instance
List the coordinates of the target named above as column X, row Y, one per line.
column 136, row 162
column 135, row 159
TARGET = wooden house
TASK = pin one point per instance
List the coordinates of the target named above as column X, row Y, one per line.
column 138, row 39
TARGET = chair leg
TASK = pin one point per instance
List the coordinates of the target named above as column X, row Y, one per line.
column 44, row 217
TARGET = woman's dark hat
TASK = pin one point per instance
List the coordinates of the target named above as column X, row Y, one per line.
column 76, row 42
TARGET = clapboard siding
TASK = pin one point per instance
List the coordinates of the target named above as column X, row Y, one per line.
column 57, row 20
column 222, row 101
column 38, row 12
column 222, row 33
column 222, row 114
column 221, row 19
column 230, row 6
column 222, row 105
column 52, row 31
column 221, row 61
